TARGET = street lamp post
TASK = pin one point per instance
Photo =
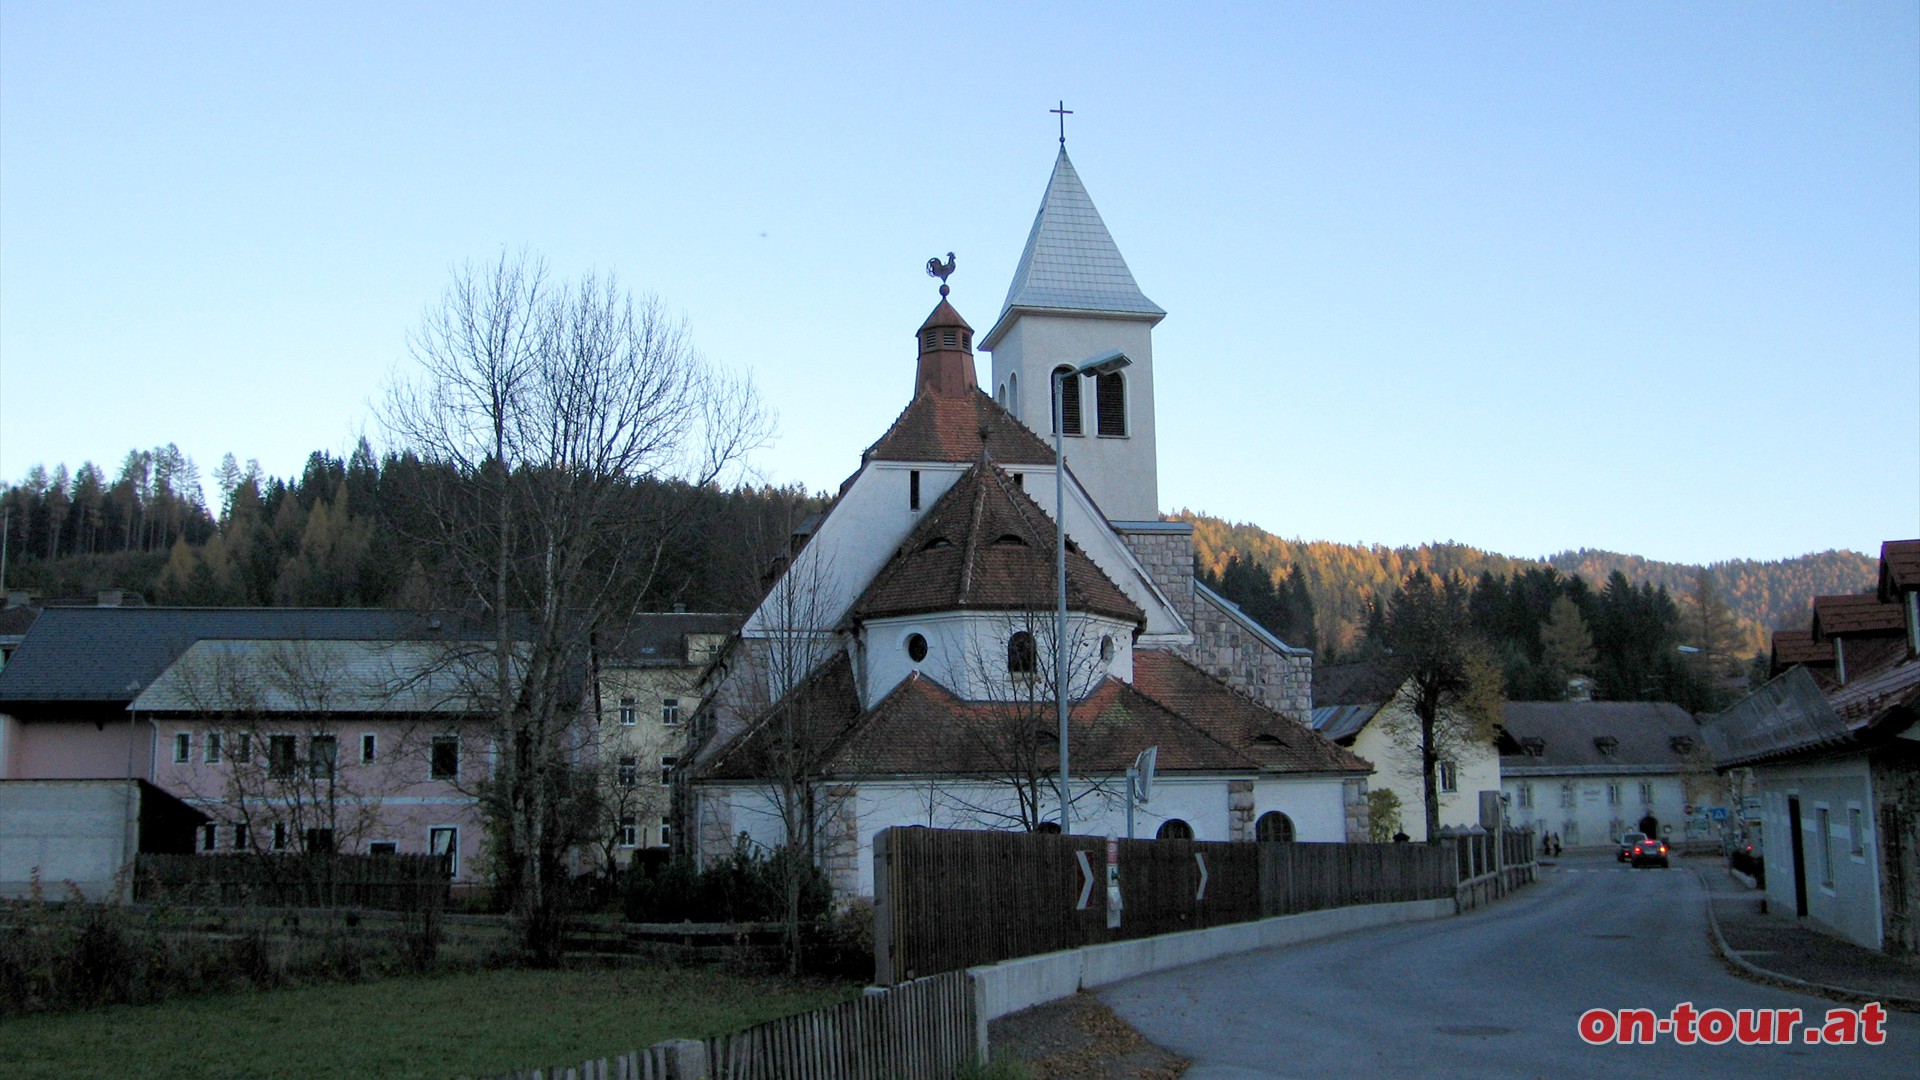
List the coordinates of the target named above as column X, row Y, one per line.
column 1104, row 364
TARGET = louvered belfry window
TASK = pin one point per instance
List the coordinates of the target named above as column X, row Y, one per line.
column 1110, row 396
column 1069, row 401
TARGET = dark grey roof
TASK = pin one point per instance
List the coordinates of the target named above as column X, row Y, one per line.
column 109, row 654
column 1368, row 682
column 1341, row 722
column 1643, row 734
column 660, row 637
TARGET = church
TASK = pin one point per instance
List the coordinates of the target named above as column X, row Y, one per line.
column 900, row 669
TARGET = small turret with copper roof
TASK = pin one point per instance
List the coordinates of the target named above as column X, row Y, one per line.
column 946, row 344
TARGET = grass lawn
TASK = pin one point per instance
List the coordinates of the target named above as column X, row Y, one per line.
column 435, row 1028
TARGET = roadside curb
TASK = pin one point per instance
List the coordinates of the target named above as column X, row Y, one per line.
column 1748, row 969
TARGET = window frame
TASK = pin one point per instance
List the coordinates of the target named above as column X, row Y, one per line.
column 210, row 748
column 1260, row 825
column 284, row 766
column 1068, row 421
column 1101, row 393
column 1447, row 776
column 369, row 747
column 667, row 762
column 182, row 747
column 434, row 745
column 332, row 759
column 627, row 771
column 1175, row 825
column 670, row 712
column 1023, row 656
column 453, row 846
column 629, row 711
column 629, row 832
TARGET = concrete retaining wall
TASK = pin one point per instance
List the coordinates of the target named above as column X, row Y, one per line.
column 78, row 832
column 1013, row 985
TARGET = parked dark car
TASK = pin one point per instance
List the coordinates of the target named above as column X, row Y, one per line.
column 1627, row 841
column 1648, row 852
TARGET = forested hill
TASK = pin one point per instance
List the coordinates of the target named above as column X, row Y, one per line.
column 1775, row 594
column 1342, row 579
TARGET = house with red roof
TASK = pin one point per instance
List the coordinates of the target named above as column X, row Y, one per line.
column 901, row 668
column 1830, row 748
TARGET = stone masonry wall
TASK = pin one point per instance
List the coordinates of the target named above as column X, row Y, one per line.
column 1229, row 651
column 1353, row 796
column 1168, row 559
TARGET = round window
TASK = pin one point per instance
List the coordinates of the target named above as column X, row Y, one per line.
column 916, row 647
column 1106, row 648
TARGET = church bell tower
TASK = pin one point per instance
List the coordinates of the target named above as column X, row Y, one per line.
column 1073, row 298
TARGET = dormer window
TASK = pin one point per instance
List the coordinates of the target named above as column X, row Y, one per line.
column 1533, row 746
column 936, row 543
column 1682, row 744
column 1010, row 540
column 1607, row 745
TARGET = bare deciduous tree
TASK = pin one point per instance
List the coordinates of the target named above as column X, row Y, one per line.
column 541, row 405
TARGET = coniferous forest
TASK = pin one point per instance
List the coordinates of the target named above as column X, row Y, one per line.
column 338, row 534
column 1635, row 628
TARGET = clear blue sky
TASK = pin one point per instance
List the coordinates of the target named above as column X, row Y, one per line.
column 1635, row 276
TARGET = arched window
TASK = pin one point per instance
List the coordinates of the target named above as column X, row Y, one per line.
column 1274, row 826
column 1022, row 657
column 1013, row 394
column 1110, row 401
column 1174, row 829
column 1000, row 395
column 1069, row 401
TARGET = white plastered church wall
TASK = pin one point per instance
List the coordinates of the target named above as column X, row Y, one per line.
column 1120, row 472
column 967, row 652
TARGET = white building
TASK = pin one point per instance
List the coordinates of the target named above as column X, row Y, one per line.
column 1831, row 748
column 899, row 670
column 1592, row 770
column 1368, row 707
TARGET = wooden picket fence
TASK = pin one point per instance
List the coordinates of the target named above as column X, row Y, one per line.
column 945, row 900
column 922, row 1030
column 383, row 882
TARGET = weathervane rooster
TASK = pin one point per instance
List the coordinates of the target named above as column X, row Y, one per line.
column 935, row 268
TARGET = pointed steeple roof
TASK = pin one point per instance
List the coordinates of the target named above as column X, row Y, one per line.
column 1071, row 262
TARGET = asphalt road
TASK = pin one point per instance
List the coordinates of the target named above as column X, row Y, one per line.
column 1495, row 993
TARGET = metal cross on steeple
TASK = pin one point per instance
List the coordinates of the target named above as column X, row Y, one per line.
column 1063, row 112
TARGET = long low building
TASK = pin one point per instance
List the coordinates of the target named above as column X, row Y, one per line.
column 1589, row 771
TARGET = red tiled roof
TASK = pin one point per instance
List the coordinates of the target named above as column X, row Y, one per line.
column 1792, row 647
column 1880, row 676
column 987, row 546
column 1854, row 615
column 937, row 427
column 922, row 727
column 1275, row 740
column 1899, row 568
